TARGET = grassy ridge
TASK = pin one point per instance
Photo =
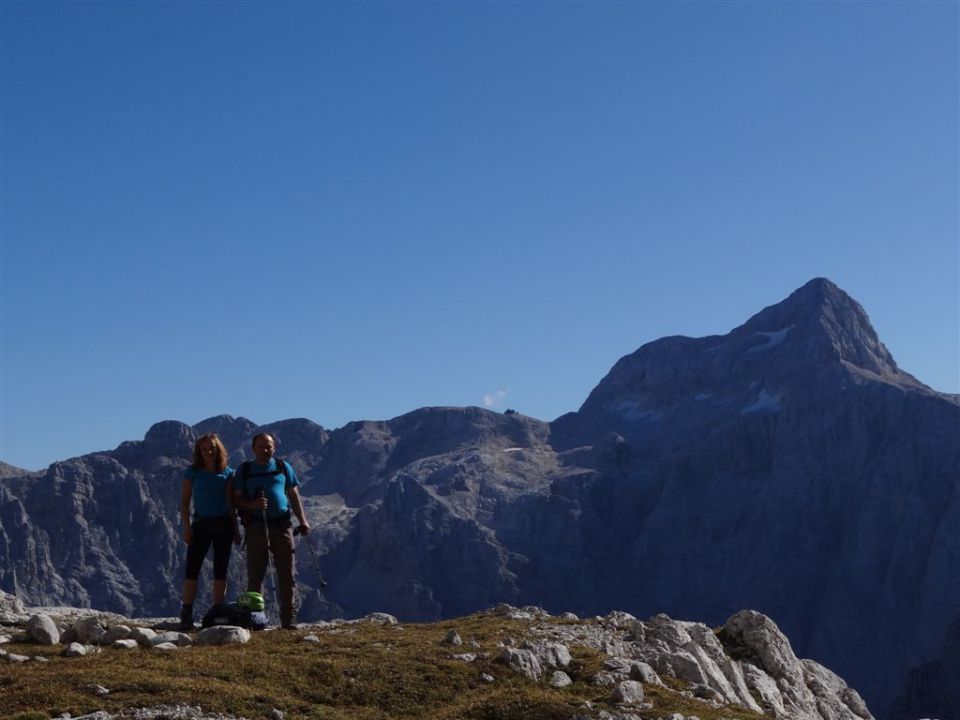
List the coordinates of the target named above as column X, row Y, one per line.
column 355, row 672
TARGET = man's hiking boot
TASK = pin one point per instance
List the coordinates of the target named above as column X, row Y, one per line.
column 186, row 619
column 288, row 624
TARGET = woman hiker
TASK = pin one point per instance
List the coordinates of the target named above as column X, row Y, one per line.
column 206, row 485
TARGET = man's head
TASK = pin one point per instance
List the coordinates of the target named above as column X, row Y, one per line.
column 263, row 447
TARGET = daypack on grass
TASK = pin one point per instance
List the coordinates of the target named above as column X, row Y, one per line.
column 233, row 614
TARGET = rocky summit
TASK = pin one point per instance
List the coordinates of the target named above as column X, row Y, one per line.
column 789, row 466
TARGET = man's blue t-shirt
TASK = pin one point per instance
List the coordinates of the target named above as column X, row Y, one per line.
column 209, row 491
column 273, row 483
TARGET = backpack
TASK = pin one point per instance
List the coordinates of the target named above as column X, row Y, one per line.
column 243, row 474
column 233, row 614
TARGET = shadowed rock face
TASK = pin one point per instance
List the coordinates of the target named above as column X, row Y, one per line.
column 933, row 690
column 787, row 466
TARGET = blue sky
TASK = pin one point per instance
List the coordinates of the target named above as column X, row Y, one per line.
column 348, row 211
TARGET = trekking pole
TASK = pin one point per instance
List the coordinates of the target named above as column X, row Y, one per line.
column 266, row 533
column 313, row 554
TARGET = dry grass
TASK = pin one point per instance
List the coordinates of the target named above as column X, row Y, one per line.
column 357, row 672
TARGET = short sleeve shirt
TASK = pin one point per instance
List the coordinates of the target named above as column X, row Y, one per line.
column 209, row 491
column 270, row 477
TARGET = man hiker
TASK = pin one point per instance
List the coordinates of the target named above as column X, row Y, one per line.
column 265, row 490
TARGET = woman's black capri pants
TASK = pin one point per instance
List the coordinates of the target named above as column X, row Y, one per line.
column 219, row 532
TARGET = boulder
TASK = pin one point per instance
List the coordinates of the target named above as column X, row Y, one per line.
column 88, row 630
column 629, row 692
column 523, row 661
column 42, row 630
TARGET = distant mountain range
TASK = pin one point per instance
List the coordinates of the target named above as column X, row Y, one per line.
column 788, row 466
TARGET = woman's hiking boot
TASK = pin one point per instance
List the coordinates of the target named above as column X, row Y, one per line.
column 186, row 619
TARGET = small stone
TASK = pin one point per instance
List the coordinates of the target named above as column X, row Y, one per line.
column 15, row 659
column 165, row 646
column 311, row 638
column 569, row 616
column 277, row 714
column 100, row 690
column 453, row 638
column 116, row 632
column 39, row 659
column 486, row 677
column 74, row 649
column 177, row 638
column 466, row 657
column 560, row 679
column 126, row 644
column 143, row 636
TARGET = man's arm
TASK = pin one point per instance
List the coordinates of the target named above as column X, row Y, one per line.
column 294, row 496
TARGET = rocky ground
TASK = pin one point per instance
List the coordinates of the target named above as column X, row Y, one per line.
column 744, row 669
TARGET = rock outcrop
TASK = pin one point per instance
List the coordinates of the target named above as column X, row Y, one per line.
column 788, row 466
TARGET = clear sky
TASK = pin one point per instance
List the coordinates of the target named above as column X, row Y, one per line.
column 347, row 211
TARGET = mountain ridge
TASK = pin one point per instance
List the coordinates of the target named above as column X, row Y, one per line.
column 795, row 469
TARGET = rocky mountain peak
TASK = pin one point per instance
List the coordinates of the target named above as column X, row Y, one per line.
column 824, row 324
column 235, row 433
column 817, row 339
column 170, row 438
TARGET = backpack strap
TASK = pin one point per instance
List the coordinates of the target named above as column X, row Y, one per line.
column 283, row 467
column 243, row 472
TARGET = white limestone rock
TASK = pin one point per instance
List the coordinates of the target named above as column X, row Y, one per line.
column 628, row 692
column 223, row 635
column 549, row 654
column 523, row 661
column 177, row 638
column 116, row 632
column 42, row 630
column 74, row 649
column 644, row 673
column 88, row 630
column 559, row 679
column 380, row 618
column 143, row 636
